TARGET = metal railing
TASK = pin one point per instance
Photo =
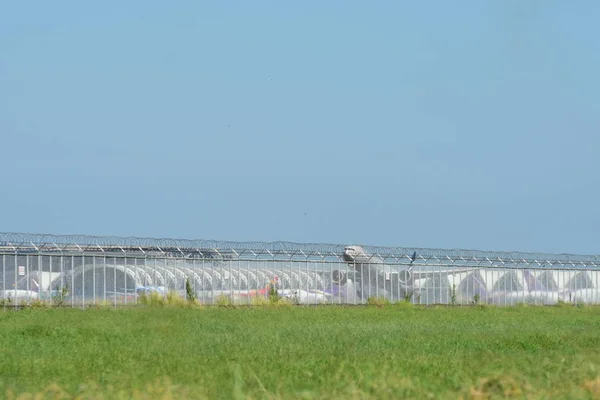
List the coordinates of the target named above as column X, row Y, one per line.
column 84, row 270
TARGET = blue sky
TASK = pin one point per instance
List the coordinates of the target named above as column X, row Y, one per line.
column 471, row 124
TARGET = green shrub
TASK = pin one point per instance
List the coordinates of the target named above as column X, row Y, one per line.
column 223, row 301
column 172, row 299
column 259, row 301
column 37, row 303
column 153, row 299
column 273, row 295
column 404, row 304
column 191, row 296
column 59, row 298
column 378, row 301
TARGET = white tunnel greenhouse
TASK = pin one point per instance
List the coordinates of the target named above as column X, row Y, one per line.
column 90, row 282
column 92, row 269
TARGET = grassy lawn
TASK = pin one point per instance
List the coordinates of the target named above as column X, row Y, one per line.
column 325, row 352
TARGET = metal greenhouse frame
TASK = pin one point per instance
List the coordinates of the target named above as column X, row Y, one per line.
column 80, row 270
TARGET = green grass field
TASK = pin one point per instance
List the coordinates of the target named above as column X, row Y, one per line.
column 295, row 352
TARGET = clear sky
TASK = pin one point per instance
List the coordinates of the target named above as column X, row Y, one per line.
column 470, row 124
